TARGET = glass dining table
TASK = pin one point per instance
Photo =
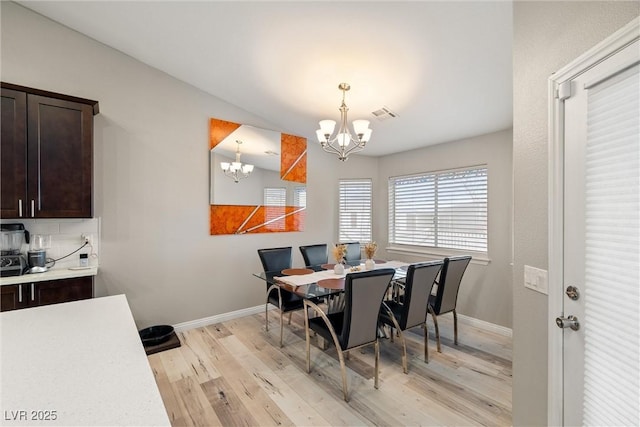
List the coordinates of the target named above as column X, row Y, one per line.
column 320, row 281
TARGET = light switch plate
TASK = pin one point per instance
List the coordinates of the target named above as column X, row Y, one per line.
column 536, row 279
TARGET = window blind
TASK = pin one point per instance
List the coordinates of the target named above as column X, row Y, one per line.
column 300, row 196
column 354, row 218
column 275, row 200
column 446, row 209
column 612, row 254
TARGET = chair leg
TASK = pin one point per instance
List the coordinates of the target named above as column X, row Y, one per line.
column 343, row 368
column 308, row 338
column 455, row 327
column 377, row 346
column 435, row 324
column 290, row 314
column 404, row 352
column 266, row 314
column 281, row 326
column 426, row 342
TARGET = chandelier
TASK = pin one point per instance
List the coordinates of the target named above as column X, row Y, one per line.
column 343, row 142
column 236, row 170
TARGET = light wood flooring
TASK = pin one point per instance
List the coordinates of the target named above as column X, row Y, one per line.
column 235, row 373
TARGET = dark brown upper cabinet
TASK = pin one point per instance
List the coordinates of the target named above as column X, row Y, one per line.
column 46, row 154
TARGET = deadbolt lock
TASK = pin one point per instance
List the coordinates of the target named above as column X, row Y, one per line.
column 572, row 292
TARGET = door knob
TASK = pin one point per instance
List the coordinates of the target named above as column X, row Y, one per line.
column 568, row 322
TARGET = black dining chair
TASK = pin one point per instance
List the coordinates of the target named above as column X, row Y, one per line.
column 353, row 253
column 357, row 325
column 412, row 310
column 315, row 255
column 446, row 297
column 274, row 260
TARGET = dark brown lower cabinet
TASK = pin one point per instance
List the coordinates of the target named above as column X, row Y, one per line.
column 11, row 298
column 33, row 294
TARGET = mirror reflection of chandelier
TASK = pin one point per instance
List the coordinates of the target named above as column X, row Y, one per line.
column 343, row 143
column 236, row 170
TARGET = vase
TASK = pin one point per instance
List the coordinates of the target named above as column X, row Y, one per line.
column 338, row 268
column 369, row 264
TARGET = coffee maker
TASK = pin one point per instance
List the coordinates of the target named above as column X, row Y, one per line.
column 12, row 237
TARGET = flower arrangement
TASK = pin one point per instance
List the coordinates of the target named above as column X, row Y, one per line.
column 339, row 252
column 370, row 249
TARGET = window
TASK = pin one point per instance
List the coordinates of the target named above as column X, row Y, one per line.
column 300, row 196
column 354, row 222
column 275, row 200
column 446, row 209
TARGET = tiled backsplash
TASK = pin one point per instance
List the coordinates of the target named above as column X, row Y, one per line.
column 65, row 238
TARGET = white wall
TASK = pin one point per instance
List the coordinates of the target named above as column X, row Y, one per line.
column 151, row 178
column 547, row 36
column 485, row 292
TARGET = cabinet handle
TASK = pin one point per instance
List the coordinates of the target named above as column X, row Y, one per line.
column 33, row 292
column 20, row 208
column 19, row 293
column 33, row 208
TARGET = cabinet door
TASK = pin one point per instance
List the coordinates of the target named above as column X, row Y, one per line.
column 64, row 290
column 60, row 158
column 11, row 297
column 13, row 154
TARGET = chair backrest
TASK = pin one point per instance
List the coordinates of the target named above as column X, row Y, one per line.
column 449, row 283
column 275, row 259
column 353, row 251
column 314, row 254
column 418, row 285
column 364, row 292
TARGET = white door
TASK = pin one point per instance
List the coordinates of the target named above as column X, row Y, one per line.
column 599, row 275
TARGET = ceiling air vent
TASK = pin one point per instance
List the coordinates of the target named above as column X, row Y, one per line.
column 383, row 114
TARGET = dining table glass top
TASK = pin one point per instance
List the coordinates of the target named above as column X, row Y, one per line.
column 320, row 281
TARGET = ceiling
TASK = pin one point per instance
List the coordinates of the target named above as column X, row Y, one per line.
column 444, row 68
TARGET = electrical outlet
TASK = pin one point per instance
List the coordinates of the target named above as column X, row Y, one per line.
column 87, row 238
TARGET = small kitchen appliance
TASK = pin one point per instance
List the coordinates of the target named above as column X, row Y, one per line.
column 12, row 237
column 37, row 255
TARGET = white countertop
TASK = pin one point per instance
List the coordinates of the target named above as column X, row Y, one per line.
column 53, row 274
column 82, row 359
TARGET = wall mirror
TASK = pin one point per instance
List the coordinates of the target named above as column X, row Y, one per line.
column 257, row 179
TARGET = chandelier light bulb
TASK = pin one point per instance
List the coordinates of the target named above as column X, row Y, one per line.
column 343, row 139
column 360, row 127
column 327, row 126
column 366, row 136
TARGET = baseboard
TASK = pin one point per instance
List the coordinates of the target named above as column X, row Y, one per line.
column 486, row 326
column 192, row 324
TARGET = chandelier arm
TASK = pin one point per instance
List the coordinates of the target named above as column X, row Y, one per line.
column 354, row 149
column 333, row 150
column 329, row 148
column 343, row 153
